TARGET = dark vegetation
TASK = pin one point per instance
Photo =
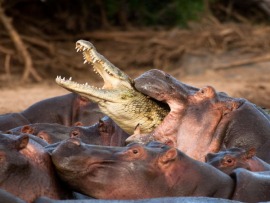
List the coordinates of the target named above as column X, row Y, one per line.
column 39, row 35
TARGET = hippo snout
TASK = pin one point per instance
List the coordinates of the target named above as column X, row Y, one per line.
column 75, row 140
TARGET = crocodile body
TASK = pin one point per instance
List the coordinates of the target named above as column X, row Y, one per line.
column 118, row 98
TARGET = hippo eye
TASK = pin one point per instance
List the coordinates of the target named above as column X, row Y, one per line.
column 135, row 151
column 228, row 161
column 41, row 137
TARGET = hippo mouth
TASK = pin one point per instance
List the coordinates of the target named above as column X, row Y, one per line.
column 113, row 78
column 101, row 164
column 92, row 169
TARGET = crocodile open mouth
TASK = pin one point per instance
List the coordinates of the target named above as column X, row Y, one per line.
column 111, row 75
column 114, row 79
column 92, row 57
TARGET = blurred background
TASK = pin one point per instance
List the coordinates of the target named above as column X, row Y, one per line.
column 222, row 43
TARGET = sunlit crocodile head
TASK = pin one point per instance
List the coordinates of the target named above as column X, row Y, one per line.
column 118, row 97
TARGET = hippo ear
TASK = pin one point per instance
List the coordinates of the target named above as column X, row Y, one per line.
column 209, row 157
column 78, row 123
column 102, row 126
column 170, row 155
column 27, row 129
column 251, row 153
column 83, row 101
column 21, row 142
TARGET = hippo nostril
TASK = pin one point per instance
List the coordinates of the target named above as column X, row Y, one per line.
column 75, row 141
column 74, row 134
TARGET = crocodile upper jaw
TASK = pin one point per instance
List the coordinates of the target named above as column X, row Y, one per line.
column 112, row 76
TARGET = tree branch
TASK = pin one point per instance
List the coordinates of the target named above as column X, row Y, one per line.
column 28, row 68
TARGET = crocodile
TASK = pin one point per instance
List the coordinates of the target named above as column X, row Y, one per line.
column 118, row 97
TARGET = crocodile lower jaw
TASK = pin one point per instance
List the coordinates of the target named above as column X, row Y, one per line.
column 95, row 94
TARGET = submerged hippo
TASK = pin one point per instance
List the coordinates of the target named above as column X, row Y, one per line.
column 27, row 171
column 230, row 159
column 201, row 121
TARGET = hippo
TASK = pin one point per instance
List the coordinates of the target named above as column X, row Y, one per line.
column 27, row 171
column 251, row 186
column 136, row 171
column 152, row 200
column 230, row 159
column 49, row 132
column 12, row 120
column 105, row 132
column 65, row 110
column 203, row 121
column 153, row 170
